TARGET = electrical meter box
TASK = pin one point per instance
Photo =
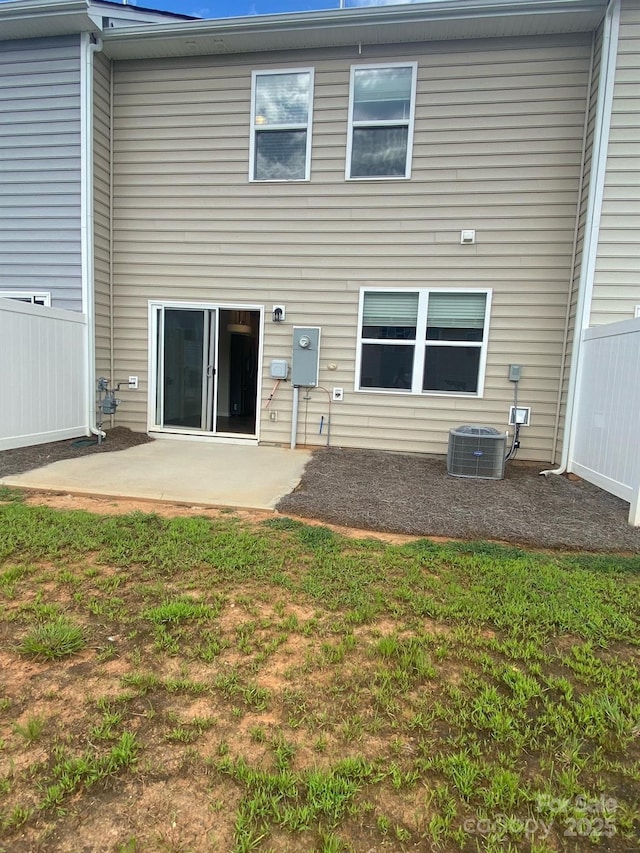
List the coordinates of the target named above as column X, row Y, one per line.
column 305, row 358
column 515, row 372
column 279, row 368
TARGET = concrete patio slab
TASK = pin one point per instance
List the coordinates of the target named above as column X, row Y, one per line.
column 192, row 472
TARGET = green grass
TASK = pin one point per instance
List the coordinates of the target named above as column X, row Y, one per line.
column 53, row 640
column 278, row 686
column 30, row 730
column 8, row 494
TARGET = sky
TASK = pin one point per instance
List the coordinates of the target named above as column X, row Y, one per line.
column 239, row 8
column 233, row 8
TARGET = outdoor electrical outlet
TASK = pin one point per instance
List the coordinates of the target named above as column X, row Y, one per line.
column 133, row 382
column 338, row 394
column 273, row 415
column 521, row 415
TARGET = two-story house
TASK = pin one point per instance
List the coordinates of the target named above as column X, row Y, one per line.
column 428, row 193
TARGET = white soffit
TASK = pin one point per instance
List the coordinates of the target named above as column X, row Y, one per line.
column 434, row 21
column 37, row 19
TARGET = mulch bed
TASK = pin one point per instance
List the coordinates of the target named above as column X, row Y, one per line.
column 402, row 493
column 27, row 458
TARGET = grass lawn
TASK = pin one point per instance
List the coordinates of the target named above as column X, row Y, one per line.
column 191, row 684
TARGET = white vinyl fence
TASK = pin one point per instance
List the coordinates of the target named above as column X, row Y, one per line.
column 42, row 374
column 606, row 445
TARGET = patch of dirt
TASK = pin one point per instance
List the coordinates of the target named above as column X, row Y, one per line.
column 123, row 506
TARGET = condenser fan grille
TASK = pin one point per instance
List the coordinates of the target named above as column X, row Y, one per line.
column 476, row 451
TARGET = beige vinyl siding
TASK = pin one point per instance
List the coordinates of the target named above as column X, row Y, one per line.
column 497, row 147
column 101, row 206
column 617, row 277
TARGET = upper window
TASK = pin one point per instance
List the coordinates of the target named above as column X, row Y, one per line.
column 35, row 298
column 281, row 108
column 423, row 341
column 381, row 114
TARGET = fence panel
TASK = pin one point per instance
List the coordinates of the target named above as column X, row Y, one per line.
column 606, row 444
column 42, row 374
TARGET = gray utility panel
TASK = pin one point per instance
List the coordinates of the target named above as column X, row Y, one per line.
column 305, row 356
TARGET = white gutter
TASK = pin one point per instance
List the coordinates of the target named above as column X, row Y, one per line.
column 87, row 50
column 592, row 227
column 441, row 9
column 335, row 27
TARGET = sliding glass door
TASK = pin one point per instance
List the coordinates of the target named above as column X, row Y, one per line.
column 205, row 368
column 186, row 368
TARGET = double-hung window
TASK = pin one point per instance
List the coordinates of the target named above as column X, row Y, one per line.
column 381, row 116
column 281, row 110
column 423, row 341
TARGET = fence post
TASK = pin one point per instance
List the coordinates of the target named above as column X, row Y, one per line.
column 634, row 509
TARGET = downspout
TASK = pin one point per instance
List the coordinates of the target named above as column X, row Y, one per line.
column 111, row 135
column 88, row 48
column 592, row 226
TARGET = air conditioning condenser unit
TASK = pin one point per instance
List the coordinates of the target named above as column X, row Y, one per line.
column 477, row 451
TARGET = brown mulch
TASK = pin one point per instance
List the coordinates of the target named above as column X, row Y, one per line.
column 22, row 459
column 413, row 494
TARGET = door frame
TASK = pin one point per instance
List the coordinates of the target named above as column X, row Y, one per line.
column 178, row 432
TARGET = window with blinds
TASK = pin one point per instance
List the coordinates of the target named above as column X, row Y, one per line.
column 423, row 341
column 390, row 315
column 381, row 115
column 281, row 110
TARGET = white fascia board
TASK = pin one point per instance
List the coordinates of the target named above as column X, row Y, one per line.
column 366, row 25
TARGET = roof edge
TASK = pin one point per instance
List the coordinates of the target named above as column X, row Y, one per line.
column 408, row 12
column 438, row 20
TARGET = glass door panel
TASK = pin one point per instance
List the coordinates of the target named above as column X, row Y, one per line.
column 184, row 374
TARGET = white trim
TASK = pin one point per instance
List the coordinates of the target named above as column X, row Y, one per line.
column 28, row 295
column 15, row 306
column 592, row 225
column 610, row 330
column 440, row 19
column 87, row 50
column 170, row 435
column 255, row 129
column 421, row 343
column 410, row 123
column 11, row 442
column 155, row 429
column 620, row 490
